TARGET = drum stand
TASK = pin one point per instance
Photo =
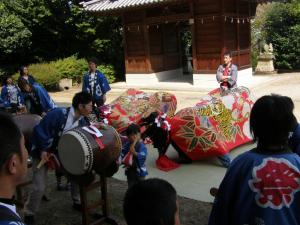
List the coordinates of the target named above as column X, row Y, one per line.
column 103, row 202
column 19, row 195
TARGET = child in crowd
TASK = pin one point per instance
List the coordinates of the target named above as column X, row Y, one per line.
column 11, row 95
column 133, row 155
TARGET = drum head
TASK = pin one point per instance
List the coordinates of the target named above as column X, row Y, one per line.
column 75, row 153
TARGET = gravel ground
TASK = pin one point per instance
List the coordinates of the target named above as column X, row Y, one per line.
column 58, row 211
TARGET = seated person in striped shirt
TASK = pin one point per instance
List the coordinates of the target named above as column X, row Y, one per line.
column 227, row 73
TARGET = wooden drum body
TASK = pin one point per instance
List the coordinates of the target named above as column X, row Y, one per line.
column 26, row 123
column 86, row 149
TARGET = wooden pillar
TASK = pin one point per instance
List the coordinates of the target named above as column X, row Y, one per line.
column 164, row 45
column 179, row 44
column 237, row 32
column 125, row 43
column 194, row 34
column 249, row 27
column 222, row 13
column 147, row 43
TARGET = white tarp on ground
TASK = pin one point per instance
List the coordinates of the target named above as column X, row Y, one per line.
column 190, row 180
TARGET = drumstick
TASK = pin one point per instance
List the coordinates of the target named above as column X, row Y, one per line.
column 41, row 163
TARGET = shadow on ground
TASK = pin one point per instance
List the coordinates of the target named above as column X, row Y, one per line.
column 59, row 210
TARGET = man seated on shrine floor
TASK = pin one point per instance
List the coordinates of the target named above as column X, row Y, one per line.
column 227, row 73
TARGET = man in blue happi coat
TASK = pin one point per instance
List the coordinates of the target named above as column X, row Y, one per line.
column 45, row 140
column 95, row 83
column 262, row 186
column 11, row 95
column 37, row 99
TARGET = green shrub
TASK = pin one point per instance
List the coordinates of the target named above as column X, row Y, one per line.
column 49, row 74
column 74, row 69
column 282, row 28
column 109, row 72
column 45, row 74
column 71, row 68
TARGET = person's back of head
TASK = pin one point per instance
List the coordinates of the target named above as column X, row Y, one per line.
column 13, row 154
column 151, row 202
column 24, row 85
column 133, row 129
column 272, row 119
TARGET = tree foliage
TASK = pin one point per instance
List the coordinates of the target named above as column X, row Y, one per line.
column 15, row 37
column 282, row 29
column 60, row 28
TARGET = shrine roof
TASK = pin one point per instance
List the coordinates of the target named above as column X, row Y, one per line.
column 115, row 5
column 112, row 5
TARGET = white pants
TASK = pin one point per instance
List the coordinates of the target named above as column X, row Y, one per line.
column 39, row 183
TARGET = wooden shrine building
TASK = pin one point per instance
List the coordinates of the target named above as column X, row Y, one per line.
column 154, row 30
